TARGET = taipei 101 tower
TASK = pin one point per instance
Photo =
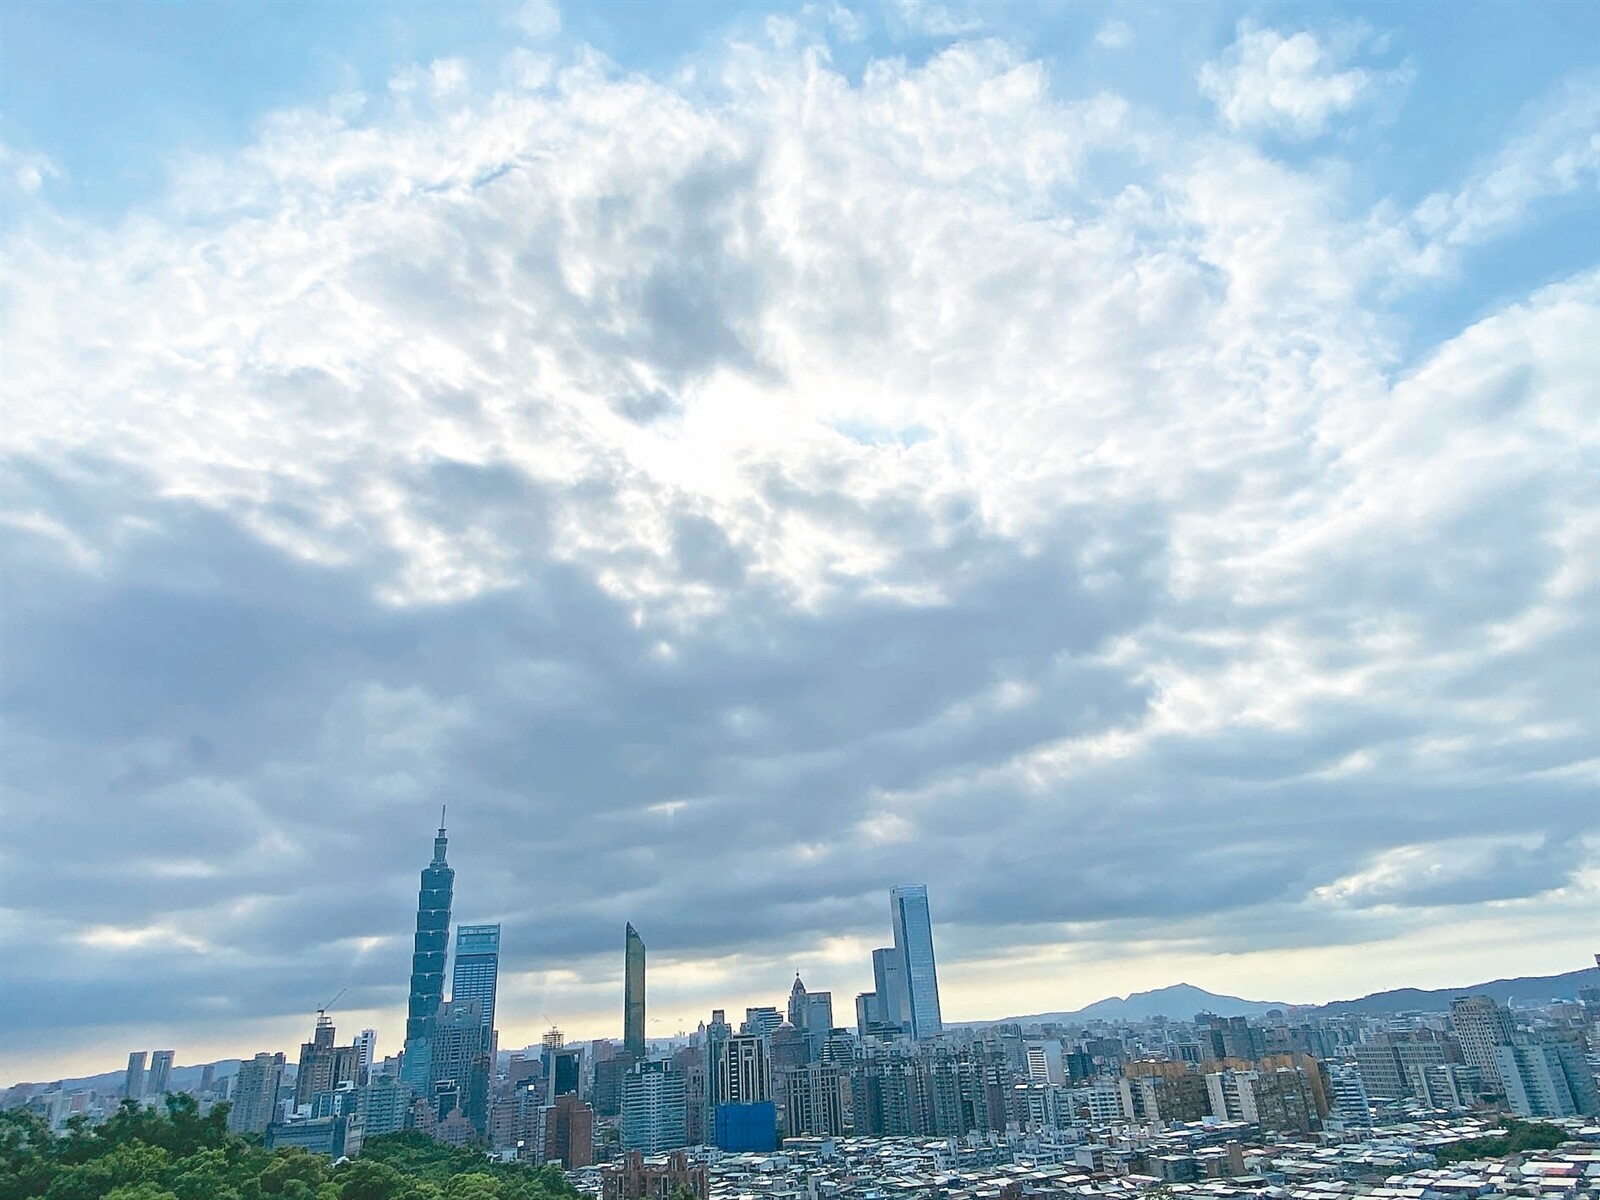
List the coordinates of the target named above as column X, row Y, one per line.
column 427, row 966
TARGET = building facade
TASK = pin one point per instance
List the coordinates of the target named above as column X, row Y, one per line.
column 654, row 1099
column 913, row 944
column 1482, row 1026
column 633, row 1038
column 476, row 972
column 160, row 1081
column 255, row 1094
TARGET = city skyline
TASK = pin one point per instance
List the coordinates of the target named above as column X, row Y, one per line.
column 1131, row 469
column 473, row 968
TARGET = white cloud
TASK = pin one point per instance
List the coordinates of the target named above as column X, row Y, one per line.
column 1555, row 152
column 926, row 18
column 1114, row 35
column 650, row 473
column 537, row 19
column 1293, row 85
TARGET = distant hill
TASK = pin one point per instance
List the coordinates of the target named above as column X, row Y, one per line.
column 1179, row 1002
column 1182, row 1001
column 1527, row 989
column 111, row 1081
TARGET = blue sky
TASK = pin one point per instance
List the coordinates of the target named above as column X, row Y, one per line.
column 1132, row 468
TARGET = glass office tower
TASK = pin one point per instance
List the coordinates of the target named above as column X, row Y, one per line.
column 477, row 968
column 913, row 943
column 633, row 995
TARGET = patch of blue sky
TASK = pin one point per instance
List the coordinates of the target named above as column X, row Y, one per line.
column 868, row 434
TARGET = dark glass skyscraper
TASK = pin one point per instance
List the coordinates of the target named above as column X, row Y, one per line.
column 633, row 994
column 429, row 951
column 913, row 943
column 477, row 968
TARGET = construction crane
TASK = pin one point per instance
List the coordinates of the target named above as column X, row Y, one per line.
column 323, row 1008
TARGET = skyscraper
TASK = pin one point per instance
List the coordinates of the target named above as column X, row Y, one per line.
column 133, row 1082
column 160, row 1073
column 633, row 994
column 427, row 965
column 477, row 968
column 913, row 943
column 889, row 982
column 460, row 1063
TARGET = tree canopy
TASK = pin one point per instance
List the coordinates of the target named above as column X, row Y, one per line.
column 1516, row 1137
column 175, row 1153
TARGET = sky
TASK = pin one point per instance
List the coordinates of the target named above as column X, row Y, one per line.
column 1132, row 468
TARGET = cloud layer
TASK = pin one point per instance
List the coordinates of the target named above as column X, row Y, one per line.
column 738, row 493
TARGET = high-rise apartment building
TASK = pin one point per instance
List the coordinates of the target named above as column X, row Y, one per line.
column 1482, row 1026
column 743, row 1070
column 383, row 1105
column 717, row 1033
column 477, row 968
column 366, row 1045
column 133, row 1081
column 324, row 1066
column 633, row 1037
column 654, row 1099
column 814, row 1101
column 255, row 1094
column 1547, row 1079
column 429, row 950
column 913, row 943
column 160, row 1081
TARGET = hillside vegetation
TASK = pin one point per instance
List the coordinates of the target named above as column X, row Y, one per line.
column 177, row 1154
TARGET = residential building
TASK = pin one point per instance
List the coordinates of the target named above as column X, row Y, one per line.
column 1482, row 1026
column 569, row 1132
column 133, row 1081
column 160, row 1073
column 383, row 1105
column 815, row 1101
column 1547, row 1079
column 635, row 1179
column 255, row 1094
column 324, row 1066
column 743, row 1070
column 654, row 1098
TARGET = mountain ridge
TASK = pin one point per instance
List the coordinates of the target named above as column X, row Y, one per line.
column 1181, row 1001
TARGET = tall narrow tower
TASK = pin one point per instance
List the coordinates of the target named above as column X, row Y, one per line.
column 913, row 944
column 429, row 951
column 633, row 995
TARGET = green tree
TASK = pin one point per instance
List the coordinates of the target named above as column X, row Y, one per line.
column 140, row 1191
column 476, row 1186
column 294, row 1166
